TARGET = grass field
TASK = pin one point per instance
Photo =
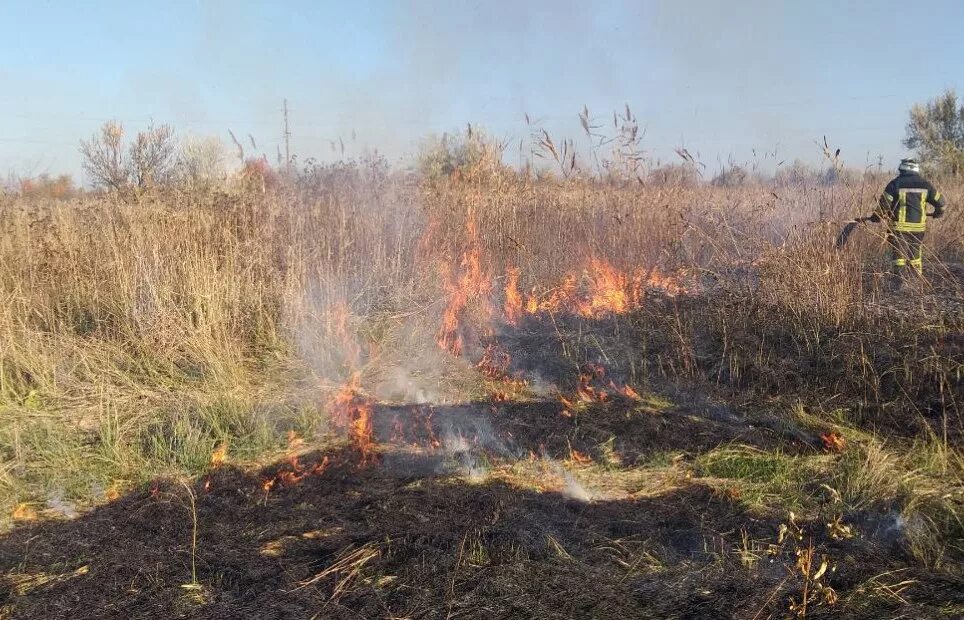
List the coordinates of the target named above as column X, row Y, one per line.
column 363, row 393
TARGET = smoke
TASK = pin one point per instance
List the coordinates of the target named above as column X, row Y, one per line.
column 572, row 489
column 723, row 78
column 59, row 506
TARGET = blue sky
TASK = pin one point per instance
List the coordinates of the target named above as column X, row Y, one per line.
column 723, row 79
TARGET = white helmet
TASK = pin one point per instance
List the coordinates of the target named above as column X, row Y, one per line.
column 908, row 165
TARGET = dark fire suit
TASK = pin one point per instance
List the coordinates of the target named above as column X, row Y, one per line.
column 903, row 207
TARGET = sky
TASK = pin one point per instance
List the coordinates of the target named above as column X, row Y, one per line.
column 729, row 80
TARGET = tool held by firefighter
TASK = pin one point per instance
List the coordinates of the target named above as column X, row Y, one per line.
column 849, row 230
column 903, row 208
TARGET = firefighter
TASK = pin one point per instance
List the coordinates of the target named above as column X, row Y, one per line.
column 903, row 207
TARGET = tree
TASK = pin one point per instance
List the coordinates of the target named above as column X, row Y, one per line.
column 678, row 175
column 46, row 186
column 201, row 162
column 149, row 159
column 936, row 131
column 151, row 156
column 734, row 176
column 103, row 157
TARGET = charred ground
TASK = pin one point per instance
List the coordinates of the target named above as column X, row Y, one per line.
column 413, row 537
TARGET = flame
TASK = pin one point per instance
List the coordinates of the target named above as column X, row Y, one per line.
column 472, row 285
column 561, row 298
column 24, row 512
column 653, row 278
column 113, row 491
column 579, row 458
column 833, row 442
column 494, row 366
column 427, row 413
column 628, row 392
column 601, row 290
column 495, row 361
column 293, row 473
column 220, row 455
column 589, row 390
column 419, row 432
column 609, row 291
column 398, row 430
column 513, row 299
column 351, row 411
column 294, row 441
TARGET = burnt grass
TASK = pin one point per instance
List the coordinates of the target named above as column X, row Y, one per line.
column 411, row 530
column 402, row 533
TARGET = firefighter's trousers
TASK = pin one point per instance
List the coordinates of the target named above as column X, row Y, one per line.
column 905, row 250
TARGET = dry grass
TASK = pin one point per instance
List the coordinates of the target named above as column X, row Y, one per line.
column 137, row 337
column 111, row 307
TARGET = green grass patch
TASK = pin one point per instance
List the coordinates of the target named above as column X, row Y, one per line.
column 43, row 455
column 762, row 478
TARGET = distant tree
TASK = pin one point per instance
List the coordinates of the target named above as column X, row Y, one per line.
column 151, row 156
column 936, row 131
column 149, row 159
column 839, row 174
column 46, row 186
column 799, row 172
column 734, row 176
column 103, row 157
column 679, row 175
column 201, row 162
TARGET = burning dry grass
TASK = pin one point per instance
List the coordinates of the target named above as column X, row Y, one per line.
column 578, row 368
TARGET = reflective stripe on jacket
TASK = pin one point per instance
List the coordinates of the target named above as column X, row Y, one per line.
column 904, row 202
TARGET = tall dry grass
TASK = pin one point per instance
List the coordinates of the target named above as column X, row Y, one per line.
column 138, row 334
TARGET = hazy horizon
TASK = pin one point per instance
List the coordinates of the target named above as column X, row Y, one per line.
column 724, row 80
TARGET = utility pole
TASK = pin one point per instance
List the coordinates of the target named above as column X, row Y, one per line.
column 287, row 138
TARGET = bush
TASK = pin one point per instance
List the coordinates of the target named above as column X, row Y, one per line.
column 149, row 159
column 201, row 163
column 467, row 154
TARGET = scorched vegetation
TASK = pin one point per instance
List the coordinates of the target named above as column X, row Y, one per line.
column 475, row 392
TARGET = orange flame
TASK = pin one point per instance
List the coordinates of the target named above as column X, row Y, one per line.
column 427, row 414
column 353, row 412
column 495, row 362
column 473, row 285
column 293, row 473
column 833, row 442
column 579, row 458
column 220, row 455
column 602, row 290
column 589, row 390
column 629, row 392
column 513, row 299
column 609, row 291
column 294, row 440
column 24, row 512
